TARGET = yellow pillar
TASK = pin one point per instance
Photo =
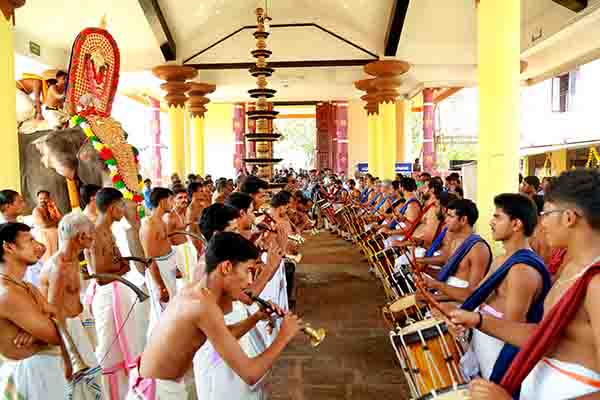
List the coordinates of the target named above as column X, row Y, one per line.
column 373, row 161
column 197, row 103
column 387, row 116
column 388, row 79
column 176, row 87
column 198, row 132
column 402, row 110
column 187, row 139
column 176, row 140
column 498, row 70
column 10, row 178
column 559, row 161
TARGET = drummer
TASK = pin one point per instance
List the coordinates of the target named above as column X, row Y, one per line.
column 515, row 287
column 560, row 356
column 468, row 257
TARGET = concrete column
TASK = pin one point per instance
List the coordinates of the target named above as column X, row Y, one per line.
column 372, row 109
column 499, row 100
column 239, row 131
column 428, row 131
column 176, row 87
column 156, row 144
column 9, row 151
column 341, row 127
column 388, row 74
column 402, row 112
column 559, row 161
column 197, row 105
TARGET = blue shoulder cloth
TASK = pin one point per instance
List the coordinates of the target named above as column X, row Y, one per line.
column 437, row 243
column 536, row 310
column 454, row 261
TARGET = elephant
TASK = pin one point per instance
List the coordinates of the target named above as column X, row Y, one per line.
column 49, row 158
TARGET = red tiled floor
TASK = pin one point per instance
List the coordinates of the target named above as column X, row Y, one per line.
column 356, row 360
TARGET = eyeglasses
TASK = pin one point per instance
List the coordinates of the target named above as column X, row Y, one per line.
column 548, row 212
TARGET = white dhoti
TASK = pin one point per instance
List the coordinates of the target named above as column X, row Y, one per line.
column 276, row 292
column 558, row 380
column 214, row 379
column 55, row 118
column 486, row 348
column 117, row 336
column 167, row 265
column 387, row 243
column 186, row 260
column 25, row 106
column 88, row 384
column 41, row 376
column 154, row 389
column 26, row 114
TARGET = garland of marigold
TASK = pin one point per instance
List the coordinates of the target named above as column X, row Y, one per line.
column 107, row 156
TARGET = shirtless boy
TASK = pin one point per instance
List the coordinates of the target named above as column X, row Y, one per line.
column 28, row 338
column 161, row 275
column 195, row 315
column 570, row 363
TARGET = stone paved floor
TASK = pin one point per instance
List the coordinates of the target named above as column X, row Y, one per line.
column 356, row 360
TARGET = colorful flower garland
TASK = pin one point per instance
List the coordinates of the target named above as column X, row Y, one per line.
column 107, row 156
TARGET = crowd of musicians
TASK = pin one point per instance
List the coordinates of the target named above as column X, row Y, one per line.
column 190, row 301
column 469, row 322
column 200, row 307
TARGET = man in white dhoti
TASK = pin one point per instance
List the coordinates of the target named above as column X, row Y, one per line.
column 111, row 300
column 60, row 283
column 176, row 221
column 161, row 275
column 29, row 341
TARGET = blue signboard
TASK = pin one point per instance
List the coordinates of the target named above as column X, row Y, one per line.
column 404, row 168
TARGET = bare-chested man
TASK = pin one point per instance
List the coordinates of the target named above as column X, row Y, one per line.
column 54, row 102
column 111, row 300
column 196, row 315
column 161, row 275
column 468, row 257
column 60, row 283
column 176, row 220
column 199, row 199
column 563, row 350
column 515, row 287
column 26, row 107
column 46, row 217
column 256, row 188
column 32, row 368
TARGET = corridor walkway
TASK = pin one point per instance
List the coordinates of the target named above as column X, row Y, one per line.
column 356, row 360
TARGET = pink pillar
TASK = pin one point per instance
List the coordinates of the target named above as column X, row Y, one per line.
column 428, row 131
column 341, row 127
column 251, row 146
column 156, row 146
column 239, row 130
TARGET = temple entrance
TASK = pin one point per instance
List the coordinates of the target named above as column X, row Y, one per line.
column 297, row 145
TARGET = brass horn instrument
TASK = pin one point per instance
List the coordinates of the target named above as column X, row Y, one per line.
column 316, row 335
column 141, row 295
column 70, row 353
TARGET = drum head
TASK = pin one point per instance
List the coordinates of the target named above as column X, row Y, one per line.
column 427, row 328
column 403, row 303
column 460, row 393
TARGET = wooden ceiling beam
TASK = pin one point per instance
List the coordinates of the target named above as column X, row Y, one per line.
column 159, row 27
column 284, row 64
column 395, row 26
